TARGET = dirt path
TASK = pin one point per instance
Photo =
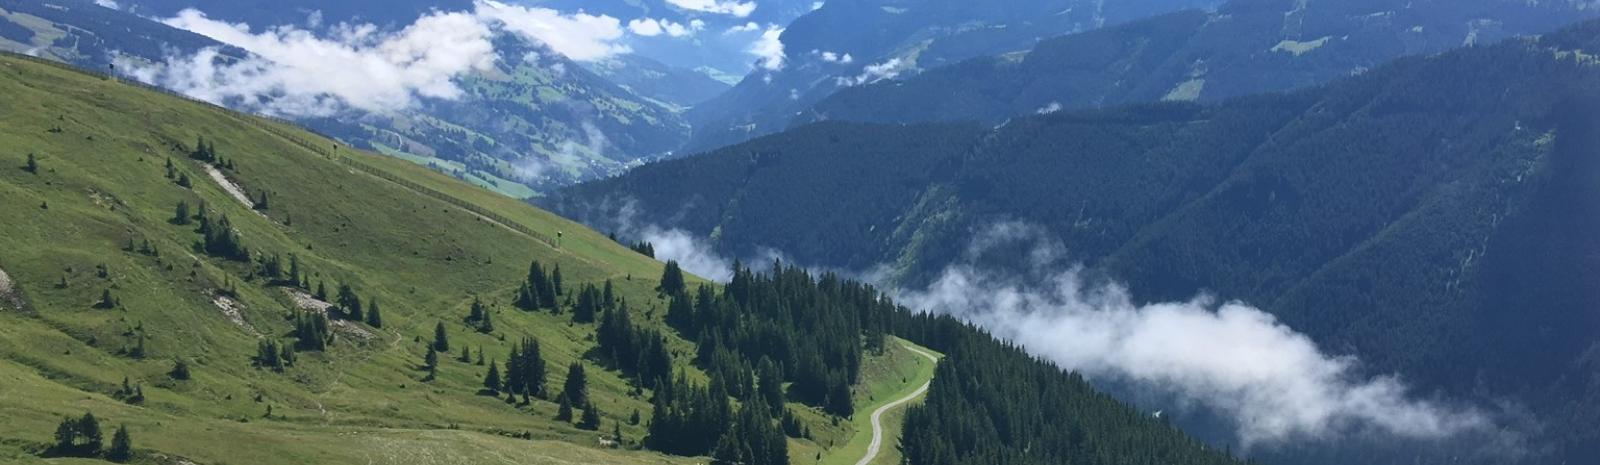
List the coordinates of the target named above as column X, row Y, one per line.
column 877, row 415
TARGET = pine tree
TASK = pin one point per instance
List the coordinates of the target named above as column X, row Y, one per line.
column 431, row 362
column 634, row 419
column 616, row 432
column 172, row 171
column 466, row 355
column 33, row 164
column 106, row 300
column 180, row 370
column 577, row 385
column 322, row 291
column 121, row 446
column 555, row 280
column 89, row 432
column 591, row 418
column 564, row 408
column 261, row 203
column 374, row 318
column 66, row 436
column 487, row 325
column 672, row 280
column 491, row 381
column 184, row 181
column 441, row 340
column 180, row 213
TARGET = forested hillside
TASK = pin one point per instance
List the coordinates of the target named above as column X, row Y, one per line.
column 1244, row 47
column 203, row 286
column 1424, row 215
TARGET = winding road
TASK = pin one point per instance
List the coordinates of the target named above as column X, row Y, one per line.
column 877, row 415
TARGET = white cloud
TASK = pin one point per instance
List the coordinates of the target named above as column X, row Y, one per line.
column 112, row 4
column 746, row 27
column 295, row 73
column 1275, row 383
column 724, row 7
column 768, row 49
column 874, row 73
column 579, row 36
column 1048, row 109
column 834, row 57
column 651, row 27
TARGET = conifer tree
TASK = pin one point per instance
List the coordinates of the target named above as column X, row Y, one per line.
column 555, row 280
column 106, row 300
column 441, row 340
column 591, row 418
column 431, row 362
column 180, row 213
column 89, row 432
column 491, row 381
column 564, row 408
column 121, row 446
column 487, row 325
column 466, row 355
column 576, row 388
column 180, row 370
column 672, row 280
column 374, row 317
column 184, row 181
column 33, row 164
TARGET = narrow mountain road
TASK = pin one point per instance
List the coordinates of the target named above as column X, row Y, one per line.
column 877, row 415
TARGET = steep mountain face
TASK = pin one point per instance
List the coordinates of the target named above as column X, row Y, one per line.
column 533, row 121
column 844, row 44
column 1244, row 47
column 1422, row 215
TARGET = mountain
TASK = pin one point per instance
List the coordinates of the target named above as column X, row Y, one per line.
column 1242, row 48
column 672, row 86
column 272, row 13
column 1426, row 216
column 533, row 120
column 843, row 44
column 220, row 287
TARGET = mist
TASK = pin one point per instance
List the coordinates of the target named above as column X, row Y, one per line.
column 1273, row 383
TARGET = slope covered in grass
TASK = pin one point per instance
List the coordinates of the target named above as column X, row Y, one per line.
column 101, row 148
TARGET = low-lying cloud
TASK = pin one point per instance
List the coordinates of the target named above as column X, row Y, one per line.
column 724, row 7
column 297, row 72
column 1273, row 382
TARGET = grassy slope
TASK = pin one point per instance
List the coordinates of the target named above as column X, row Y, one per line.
column 102, row 178
column 893, row 375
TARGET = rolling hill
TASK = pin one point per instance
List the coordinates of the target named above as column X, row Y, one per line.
column 212, row 282
column 1427, row 216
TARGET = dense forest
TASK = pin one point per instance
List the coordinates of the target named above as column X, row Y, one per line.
column 1377, row 214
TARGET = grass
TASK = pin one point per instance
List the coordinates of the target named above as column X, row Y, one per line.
column 889, row 377
column 102, row 147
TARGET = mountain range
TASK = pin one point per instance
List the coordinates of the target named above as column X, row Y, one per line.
column 1413, row 215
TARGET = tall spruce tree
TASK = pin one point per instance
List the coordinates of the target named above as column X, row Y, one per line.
column 121, row 446
column 576, row 387
column 441, row 339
